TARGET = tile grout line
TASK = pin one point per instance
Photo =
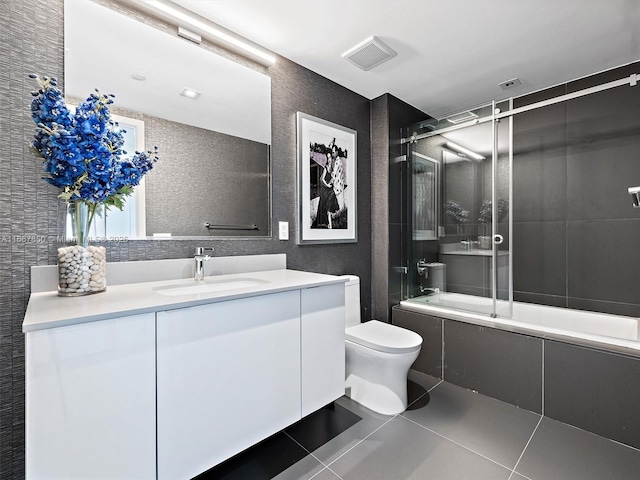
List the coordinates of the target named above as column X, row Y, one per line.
column 326, row 467
column 442, row 352
column 526, row 446
column 425, row 393
column 354, row 446
column 305, row 449
column 542, row 399
column 456, row 443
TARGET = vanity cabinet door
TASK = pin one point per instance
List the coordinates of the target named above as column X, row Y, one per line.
column 90, row 400
column 323, row 350
column 228, row 377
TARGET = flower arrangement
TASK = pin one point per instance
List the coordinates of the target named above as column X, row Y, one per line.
column 455, row 212
column 486, row 215
column 83, row 156
column 82, row 150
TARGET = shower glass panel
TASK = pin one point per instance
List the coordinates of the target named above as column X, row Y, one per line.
column 460, row 171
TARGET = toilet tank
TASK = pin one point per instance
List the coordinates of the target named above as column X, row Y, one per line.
column 351, row 300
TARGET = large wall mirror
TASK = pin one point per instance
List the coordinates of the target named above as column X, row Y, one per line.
column 213, row 175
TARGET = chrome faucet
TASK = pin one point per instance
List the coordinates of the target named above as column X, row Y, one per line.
column 429, row 291
column 200, row 257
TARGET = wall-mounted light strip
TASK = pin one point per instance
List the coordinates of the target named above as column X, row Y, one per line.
column 205, row 27
column 464, row 151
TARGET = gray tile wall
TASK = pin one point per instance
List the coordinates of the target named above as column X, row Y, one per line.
column 31, row 40
column 593, row 390
column 389, row 116
column 575, row 232
column 380, row 205
column 228, row 175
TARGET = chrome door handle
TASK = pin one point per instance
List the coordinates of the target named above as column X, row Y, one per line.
column 498, row 239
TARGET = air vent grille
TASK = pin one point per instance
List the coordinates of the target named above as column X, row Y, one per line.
column 370, row 53
column 461, row 117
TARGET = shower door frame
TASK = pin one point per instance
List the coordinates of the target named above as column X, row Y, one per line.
column 494, row 199
column 631, row 80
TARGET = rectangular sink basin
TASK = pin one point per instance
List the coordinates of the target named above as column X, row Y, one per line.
column 209, row 286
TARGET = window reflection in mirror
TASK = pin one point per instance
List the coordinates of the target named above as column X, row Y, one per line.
column 214, row 151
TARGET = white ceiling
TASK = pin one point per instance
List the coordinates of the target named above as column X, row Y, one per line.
column 452, row 54
column 234, row 100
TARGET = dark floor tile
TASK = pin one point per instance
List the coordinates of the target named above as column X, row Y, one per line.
column 316, row 429
column 262, row 461
column 342, row 443
column 517, row 476
column 308, row 467
column 402, row 450
column 418, row 387
column 559, row 451
column 492, row 428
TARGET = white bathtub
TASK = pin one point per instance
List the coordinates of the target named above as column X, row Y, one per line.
column 597, row 330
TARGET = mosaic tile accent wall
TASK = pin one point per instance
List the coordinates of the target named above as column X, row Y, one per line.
column 32, row 219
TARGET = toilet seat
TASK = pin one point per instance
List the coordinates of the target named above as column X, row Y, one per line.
column 383, row 337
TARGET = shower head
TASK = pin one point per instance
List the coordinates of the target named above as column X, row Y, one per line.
column 635, row 196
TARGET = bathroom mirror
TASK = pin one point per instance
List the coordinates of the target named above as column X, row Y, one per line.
column 214, row 149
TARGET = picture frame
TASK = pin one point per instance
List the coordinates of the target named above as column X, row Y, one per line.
column 327, row 182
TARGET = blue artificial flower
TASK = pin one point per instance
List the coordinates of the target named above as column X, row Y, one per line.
column 82, row 151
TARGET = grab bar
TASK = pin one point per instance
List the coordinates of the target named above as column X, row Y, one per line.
column 231, row 227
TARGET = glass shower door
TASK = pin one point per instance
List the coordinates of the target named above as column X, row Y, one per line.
column 460, row 197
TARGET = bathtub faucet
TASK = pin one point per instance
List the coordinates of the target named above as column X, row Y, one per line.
column 429, row 290
column 422, row 268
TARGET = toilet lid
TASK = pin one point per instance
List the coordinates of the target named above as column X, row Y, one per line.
column 383, row 337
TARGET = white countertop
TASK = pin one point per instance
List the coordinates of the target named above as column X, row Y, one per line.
column 48, row 310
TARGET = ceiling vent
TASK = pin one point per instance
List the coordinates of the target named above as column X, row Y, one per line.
column 514, row 82
column 461, row 117
column 370, row 53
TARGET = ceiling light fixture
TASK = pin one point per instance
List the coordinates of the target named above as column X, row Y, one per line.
column 190, row 93
column 207, row 28
column 464, row 151
column 189, row 35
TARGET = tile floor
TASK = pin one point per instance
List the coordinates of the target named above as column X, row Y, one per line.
column 446, row 433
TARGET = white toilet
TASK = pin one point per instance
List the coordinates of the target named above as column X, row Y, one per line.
column 378, row 357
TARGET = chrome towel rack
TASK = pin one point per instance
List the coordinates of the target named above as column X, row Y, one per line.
column 231, row 227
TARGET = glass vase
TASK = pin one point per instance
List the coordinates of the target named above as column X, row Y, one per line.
column 81, row 267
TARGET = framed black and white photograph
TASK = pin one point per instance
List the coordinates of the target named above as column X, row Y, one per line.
column 326, row 182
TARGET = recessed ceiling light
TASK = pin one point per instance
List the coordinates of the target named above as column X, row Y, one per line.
column 138, row 76
column 190, row 93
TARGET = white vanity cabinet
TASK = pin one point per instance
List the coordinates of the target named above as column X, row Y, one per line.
column 323, row 355
column 90, row 400
column 132, row 384
column 228, row 377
